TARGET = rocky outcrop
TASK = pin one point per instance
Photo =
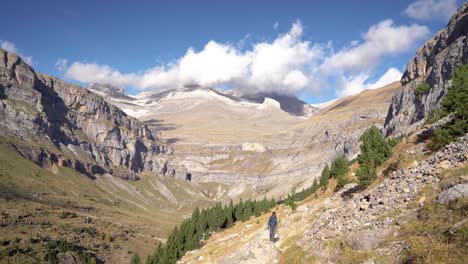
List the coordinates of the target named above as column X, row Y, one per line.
column 367, row 239
column 453, row 193
column 364, row 219
column 64, row 124
column 433, row 64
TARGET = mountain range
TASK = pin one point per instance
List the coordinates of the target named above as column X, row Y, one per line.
column 115, row 173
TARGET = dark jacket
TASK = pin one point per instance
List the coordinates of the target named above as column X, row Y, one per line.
column 272, row 222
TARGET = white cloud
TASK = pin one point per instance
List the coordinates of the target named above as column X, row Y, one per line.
column 286, row 65
column 61, row 64
column 280, row 66
column 357, row 83
column 431, row 9
column 10, row 47
column 91, row 72
column 380, row 40
column 275, row 25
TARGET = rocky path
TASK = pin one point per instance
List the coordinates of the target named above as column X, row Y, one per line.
column 361, row 220
column 244, row 243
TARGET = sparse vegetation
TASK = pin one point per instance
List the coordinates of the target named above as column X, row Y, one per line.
column 135, row 259
column 324, row 177
column 428, row 236
column 290, row 202
column 12, row 250
column 56, row 246
column 421, row 89
column 296, row 255
column 294, row 197
column 453, row 104
column 66, row 214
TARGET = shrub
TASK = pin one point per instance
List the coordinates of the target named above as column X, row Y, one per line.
column 339, row 167
column 342, row 181
column 454, row 104
column 290, row 202
column 421, row 89
column 56, row 246
column 325, row 176
column 135, row 259
column 375, row 150
column 66, row 214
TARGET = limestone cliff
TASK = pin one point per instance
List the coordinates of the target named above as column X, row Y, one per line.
column 61, row 124
column 433, row 64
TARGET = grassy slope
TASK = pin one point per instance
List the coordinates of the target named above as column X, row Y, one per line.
column 135, row 214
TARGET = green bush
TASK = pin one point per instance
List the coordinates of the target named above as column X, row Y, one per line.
column 325, row 176
column 342, row 181
column 421, row 89
column 339, row 167
column 455, row 104
column 290, row 202
column 375, row 150
column 135, row 259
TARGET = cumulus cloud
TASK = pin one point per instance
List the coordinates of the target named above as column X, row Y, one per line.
column 380, row 40
column 431, row 9
column 94, row 73
column 275, row 25
column 61, row 64
column 356, row 84
column 10, row 47
column 286, row 65
column 280, row 66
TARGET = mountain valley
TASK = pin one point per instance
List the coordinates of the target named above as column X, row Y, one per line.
column 91, row 174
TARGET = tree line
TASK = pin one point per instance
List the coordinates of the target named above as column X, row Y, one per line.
column 188, row 235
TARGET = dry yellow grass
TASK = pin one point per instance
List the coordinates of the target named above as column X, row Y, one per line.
column 350, row 106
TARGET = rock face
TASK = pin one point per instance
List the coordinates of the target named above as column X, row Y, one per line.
column 367, row 239
column 453, row 193
column 433, row 64
column 63, row 124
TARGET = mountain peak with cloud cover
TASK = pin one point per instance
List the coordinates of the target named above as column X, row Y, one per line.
column 169, row 131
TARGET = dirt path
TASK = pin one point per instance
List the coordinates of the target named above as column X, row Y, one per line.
column 248, row 242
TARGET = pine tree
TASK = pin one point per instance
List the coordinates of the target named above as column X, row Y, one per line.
column 375, row 150
column 455, row 104
column 339, row 167
column 239, row 211
column 325, row 176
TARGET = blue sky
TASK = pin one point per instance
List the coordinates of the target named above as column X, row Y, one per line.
column 316, row 49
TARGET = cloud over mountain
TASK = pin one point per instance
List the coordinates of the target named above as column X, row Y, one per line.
column 431, row 9
column 9, row 46
column 285, row 65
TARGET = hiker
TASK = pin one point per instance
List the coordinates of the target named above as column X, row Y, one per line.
column 272, row 224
